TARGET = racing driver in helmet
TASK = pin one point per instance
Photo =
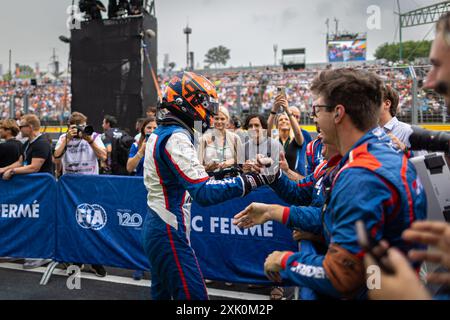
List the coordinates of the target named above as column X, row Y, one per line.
column 173, row 176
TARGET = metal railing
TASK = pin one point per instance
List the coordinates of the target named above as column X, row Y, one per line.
column 254, row 93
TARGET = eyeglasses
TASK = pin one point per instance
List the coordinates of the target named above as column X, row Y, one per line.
column 316, row 108
column 24, row 126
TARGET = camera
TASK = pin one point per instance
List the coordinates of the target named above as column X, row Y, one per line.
column 85, row 130
column 434, row 141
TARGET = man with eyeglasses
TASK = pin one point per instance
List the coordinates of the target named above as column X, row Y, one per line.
column 373, row 183
column 37, row 150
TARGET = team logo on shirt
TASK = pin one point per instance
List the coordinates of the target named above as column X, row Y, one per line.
column 91, row 216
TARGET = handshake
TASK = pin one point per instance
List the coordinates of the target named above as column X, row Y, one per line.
column 263, row 171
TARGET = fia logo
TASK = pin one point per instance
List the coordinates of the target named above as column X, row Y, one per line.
column 91, row 216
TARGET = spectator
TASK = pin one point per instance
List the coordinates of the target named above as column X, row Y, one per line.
column 37, row 150
column 37, row 157
column 258, row 143
column 151, row 112
column 11, row 150
column 19, row 115
column 139, row 123
column 218, row 148
column 80, row 153
column 290, row 135
column 137, row 152
column 399, row 131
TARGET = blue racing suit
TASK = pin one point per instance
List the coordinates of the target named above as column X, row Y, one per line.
column 308, row 195
column 373, row 183
column 172, row 175
column 313, row 155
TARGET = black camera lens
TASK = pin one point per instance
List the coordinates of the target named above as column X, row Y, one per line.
column 86, row 130
column 433, row 141
column 89, row 130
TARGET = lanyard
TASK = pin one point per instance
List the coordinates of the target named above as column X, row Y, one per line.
column 25, row 163
column 223, row 147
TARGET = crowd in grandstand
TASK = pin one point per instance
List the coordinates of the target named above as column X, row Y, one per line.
column 238, row 91
column 49, row 100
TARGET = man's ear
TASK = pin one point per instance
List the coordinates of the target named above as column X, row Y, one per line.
column 339, row 113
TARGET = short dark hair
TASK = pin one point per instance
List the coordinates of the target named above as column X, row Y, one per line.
column 151, row 109
column 443, row 25
column 77, row 118
column 111, row 120
column 358, row 91
column 253, row 116
column 391, row 94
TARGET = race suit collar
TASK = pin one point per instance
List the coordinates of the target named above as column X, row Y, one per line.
column 376, row 134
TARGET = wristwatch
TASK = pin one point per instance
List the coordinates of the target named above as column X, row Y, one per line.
column 273, row 113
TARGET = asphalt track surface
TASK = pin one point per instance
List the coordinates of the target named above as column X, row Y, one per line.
column 19, row 284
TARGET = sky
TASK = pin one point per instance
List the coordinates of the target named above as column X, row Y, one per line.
column 249, row 28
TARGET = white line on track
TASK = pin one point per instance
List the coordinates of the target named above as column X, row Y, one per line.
column 142, row 283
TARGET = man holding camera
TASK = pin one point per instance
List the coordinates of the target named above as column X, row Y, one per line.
column 79, row 151
column 80, row 148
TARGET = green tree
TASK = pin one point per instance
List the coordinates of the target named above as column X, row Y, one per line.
column 411, row 50
column 218, row 55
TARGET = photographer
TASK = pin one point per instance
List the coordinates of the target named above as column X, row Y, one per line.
column 372, row 183
column 80, row 149
column 397, row 130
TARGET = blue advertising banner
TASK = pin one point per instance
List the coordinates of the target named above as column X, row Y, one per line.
column 100, row 221
column 230, row 254
column 27, row 216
